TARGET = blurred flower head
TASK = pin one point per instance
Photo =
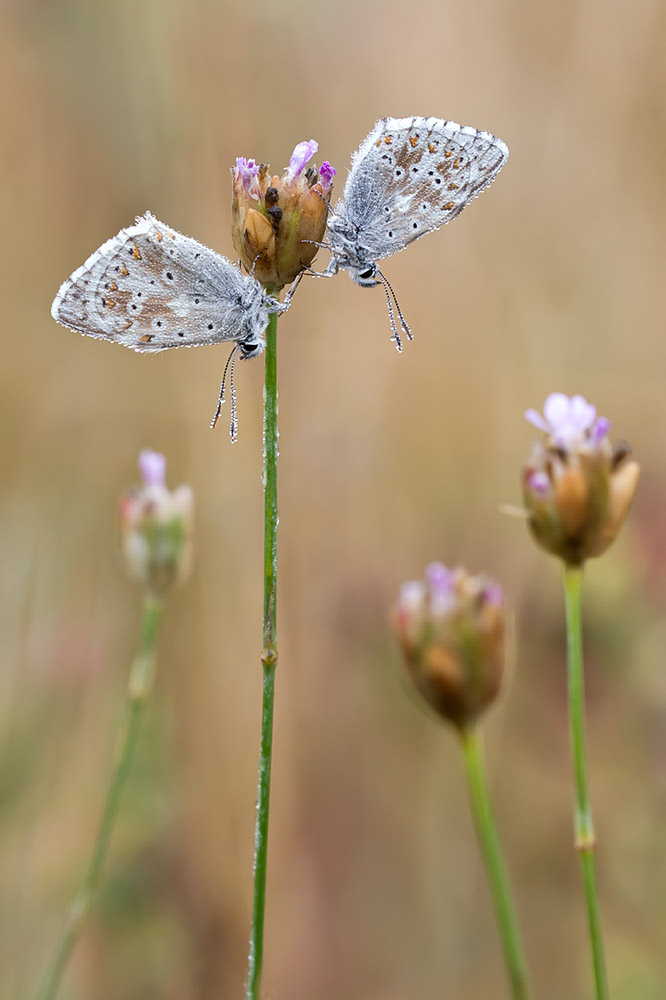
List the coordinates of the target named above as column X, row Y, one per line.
column 451, row 631
column 276, row 222
column 577, row 487
column 156, row 527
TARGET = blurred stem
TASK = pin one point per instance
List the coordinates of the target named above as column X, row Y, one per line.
column 585, row 840
column 269, row 657
column 494, row 863
column 138, row 691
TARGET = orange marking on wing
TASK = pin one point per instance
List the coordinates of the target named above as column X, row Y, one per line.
column 453, row 187
column 379, row 142
column 136, row 254
column 109, row 303
column 158, row 235
column 172, row 235
column 128, row 324
column 124, row 271
column 388, row 140
column 448, row 153
column 113, row 287
column 456, row 163
column 413, row 139
column 449, row 205
column 146, row 339
column 431, row 147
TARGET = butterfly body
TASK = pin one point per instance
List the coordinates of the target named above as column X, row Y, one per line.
column 150, row 289
column 409, row 177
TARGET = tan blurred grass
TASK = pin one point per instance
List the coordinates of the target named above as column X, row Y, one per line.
column 553, row 280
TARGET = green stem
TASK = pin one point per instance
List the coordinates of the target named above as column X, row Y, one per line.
column 269, row 657
column 138, row 690
column 585, row 840
column 494, row 863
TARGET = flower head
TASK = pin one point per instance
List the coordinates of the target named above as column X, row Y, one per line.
column 277, row 222
column 451, row 631
column 577, row 488
column 156, row 527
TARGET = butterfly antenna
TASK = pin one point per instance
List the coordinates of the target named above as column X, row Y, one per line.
column 327, row 203
column 233, row 420
column 220, row 399
column 403, row 322
column 386, row 287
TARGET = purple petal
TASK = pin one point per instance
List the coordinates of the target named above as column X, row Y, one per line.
column 302, row 153
column 494, row 595
column 556, row 410
column 246, row 170
column 326, row 175
column 439, row 577
column 537, row 420
column 582, row 413
column 538, row 482
column 600, row 429
column 152, row 466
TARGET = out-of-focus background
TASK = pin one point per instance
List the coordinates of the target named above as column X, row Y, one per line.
column 552, row 280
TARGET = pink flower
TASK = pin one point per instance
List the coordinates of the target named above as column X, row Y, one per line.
column 569, row 420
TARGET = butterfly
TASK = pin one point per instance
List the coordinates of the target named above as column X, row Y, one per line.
column 150, row 289
column 408, row 177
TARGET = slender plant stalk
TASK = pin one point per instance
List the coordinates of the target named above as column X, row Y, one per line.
column 585, row 840
column 138, row 690
column 494, row 863
column 269, row 658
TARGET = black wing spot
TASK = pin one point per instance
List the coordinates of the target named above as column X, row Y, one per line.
column 415, row 225
column 181, row 333
column 169, row 275
column 438, row 180
column 391, row 234
column 210, row 326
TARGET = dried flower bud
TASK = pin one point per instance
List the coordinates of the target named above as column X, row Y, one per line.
column 156, row 527
column 276, row 222
column 451, row 631
column 577, row 488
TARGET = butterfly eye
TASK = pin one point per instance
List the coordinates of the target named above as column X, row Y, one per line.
column 368, row 273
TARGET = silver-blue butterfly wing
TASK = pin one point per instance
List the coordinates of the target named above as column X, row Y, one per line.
column 150, row 288
column 409, row 177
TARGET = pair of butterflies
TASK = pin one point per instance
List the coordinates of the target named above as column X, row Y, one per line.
column 150, row 288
